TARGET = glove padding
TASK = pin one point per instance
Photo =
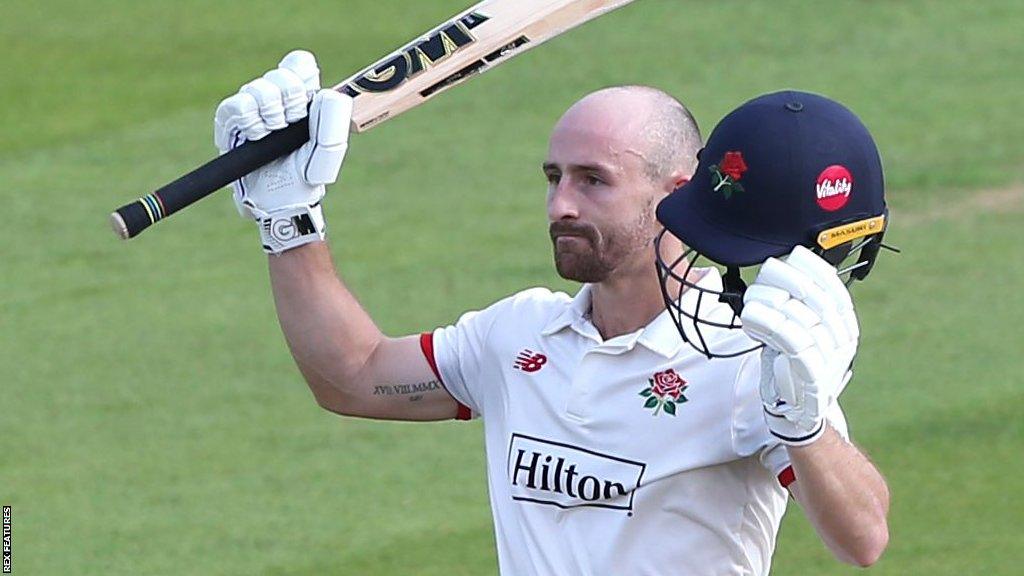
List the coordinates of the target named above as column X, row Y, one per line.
column 284, row 196
column 801, row 310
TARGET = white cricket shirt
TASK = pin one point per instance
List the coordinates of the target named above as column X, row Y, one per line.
column 635, row 455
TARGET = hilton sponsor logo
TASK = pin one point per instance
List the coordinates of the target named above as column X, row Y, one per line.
column 547, row 472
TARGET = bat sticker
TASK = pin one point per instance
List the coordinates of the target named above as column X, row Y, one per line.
column 416, row 57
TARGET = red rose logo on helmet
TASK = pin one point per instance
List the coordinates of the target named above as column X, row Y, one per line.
column 733, row 165
column 835, row 184
column 725, row 175
column 665, row 391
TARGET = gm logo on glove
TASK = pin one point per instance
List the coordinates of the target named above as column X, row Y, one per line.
column 285, row 229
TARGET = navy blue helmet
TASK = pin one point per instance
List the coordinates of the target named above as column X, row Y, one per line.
column 782, row 170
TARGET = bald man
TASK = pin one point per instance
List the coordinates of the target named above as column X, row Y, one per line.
column 612, row 448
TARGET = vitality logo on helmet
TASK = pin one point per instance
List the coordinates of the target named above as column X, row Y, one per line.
column 835, row 184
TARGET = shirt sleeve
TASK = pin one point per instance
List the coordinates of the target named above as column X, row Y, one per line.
column 459, row 354
column 750, row 432
column 463, row 412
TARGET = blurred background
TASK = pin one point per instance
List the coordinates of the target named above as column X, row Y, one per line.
column 151, row 418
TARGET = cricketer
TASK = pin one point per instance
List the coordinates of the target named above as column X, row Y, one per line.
column 658, row 421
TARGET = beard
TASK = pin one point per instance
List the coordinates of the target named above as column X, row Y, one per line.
column 586, row 254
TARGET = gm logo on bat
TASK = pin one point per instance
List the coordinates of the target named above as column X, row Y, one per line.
column 417, row 56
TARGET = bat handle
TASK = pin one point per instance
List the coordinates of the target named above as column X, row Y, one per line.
column 131, row 219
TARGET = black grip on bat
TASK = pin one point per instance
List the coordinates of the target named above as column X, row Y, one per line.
column 131, row 219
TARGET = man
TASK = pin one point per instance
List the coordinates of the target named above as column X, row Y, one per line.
column 612, row 447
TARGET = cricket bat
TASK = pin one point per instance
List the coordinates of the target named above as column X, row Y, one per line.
column 466, row 45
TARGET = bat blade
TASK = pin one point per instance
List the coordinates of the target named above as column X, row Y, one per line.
column 485, row 35
column 466, row 45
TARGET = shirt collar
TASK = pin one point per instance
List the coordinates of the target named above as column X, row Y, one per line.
column 576, row 311
column 660, row 336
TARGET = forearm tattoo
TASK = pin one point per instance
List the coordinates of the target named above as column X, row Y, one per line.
column 413, row 391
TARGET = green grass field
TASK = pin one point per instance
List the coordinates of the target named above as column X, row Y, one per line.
column 152, row 421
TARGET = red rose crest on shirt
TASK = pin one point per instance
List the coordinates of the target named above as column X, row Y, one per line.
column 665, row 392
column 726, row 175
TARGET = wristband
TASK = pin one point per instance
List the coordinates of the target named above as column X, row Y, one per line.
column 292, row 227
column 789, row 433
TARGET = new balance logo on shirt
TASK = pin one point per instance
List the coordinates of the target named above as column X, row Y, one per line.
column 529, row 361
column 548, row 472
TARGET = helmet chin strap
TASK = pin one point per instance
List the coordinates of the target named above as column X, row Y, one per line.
column 733, row 288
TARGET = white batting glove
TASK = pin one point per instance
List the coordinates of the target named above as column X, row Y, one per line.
column 284, row 196
column 801, row 310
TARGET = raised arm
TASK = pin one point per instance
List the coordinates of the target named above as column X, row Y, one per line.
column 350, row 367
column 843, row 495
column 802, row 312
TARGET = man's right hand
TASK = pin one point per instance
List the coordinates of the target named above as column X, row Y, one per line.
column 284, row 196
column 350, row 366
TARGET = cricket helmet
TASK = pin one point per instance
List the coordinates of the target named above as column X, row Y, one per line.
column 782, row 170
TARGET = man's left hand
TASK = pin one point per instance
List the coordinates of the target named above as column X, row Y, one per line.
column 801, row 310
